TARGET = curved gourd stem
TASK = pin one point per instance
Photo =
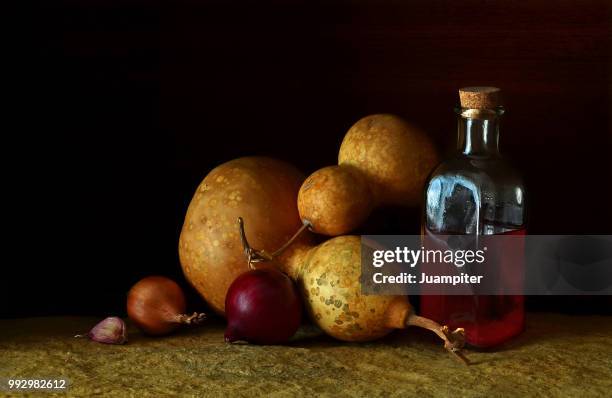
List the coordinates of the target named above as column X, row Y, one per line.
column 257, row 256
column 400, row 315
column 453, row 341
column 305, row 225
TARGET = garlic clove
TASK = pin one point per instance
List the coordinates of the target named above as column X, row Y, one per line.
column 111, row 330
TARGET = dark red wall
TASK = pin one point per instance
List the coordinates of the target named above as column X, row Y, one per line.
column 143, row 99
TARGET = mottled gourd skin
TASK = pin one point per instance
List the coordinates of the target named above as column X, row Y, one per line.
column 263, row 192
column 395, row 156
column 335, row 200
column 331, row 288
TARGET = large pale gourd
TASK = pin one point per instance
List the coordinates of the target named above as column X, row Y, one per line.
column 330, row 283
column 263, row 192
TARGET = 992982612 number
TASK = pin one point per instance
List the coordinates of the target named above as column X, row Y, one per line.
column 34, row 384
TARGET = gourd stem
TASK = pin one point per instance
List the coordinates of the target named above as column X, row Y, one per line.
column 253, row 256
column 453, row 341
column 306, row 224
column 257, row 256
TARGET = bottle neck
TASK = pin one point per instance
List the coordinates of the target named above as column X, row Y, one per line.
column 478, row 132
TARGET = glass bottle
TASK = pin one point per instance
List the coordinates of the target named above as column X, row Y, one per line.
column 477, row 193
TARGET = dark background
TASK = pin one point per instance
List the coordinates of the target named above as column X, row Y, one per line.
column 129, row 104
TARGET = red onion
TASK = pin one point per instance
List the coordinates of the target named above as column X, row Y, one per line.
column 262, row 306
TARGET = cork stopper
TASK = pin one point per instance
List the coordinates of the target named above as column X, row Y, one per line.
column 480, row 97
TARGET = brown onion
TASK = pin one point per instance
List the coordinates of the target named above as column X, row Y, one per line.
column 157, row 305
